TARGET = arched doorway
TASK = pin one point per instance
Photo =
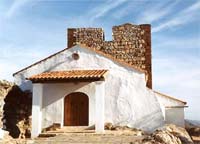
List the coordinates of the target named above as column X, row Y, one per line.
column 76, row 109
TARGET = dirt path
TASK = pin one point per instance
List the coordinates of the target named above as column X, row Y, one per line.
column 89, row 139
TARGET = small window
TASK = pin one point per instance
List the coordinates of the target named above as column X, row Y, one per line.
column 75, row 56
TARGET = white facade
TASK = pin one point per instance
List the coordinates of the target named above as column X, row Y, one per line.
column 37, row 109
column 48, row 104
column 175, row 115
column 173, row 110
column 127, row 101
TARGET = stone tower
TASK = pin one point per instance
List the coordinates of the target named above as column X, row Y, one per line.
column 131, row 43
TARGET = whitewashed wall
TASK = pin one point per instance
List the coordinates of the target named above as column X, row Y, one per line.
column 127, row 100
column 171, row 115
column 165, row 101
column 175, row 116
column 53, row 101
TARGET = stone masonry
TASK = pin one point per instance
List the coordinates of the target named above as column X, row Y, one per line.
column 131, row 44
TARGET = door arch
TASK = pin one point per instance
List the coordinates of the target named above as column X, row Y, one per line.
column 76, row 109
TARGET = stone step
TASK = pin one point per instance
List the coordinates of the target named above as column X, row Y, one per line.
column 79, row 139
column 47, row 135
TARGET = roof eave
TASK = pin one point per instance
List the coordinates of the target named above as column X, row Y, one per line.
column 40, row 61
column 171, row 97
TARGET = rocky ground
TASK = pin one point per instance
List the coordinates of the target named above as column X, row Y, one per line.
column 15, row 111
column 169, row 134
column 194, row 131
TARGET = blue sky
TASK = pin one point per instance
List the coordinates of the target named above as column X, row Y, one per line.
column 33, row 29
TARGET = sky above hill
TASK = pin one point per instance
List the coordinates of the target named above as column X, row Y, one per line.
column 33, row 29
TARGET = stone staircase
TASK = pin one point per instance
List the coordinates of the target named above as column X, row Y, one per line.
column 67, row 130
column 87, row 135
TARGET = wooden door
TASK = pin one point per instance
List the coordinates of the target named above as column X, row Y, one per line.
column 76, row 109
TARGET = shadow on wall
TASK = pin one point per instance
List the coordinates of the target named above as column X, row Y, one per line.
column 17, row 111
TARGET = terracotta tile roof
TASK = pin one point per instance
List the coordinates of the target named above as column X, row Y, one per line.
column 90, row 48
column 69, row 75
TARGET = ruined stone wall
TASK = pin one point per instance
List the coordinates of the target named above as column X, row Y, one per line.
column 131, row 43
column 15, row 110
column 4, row 89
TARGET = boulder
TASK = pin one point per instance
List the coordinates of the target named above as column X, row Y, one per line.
column 169, row 134
column 166, row 137
column 195, row 131
column 108, row 126
column 5, row 138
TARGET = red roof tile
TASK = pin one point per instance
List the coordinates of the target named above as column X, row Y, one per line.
column 69, row 75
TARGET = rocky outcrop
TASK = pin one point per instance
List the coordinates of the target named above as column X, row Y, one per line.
column 193, row 128
column 195, row 131
column 5, row 86
column 15, row 110
column 7, row 139
column 110, row 126
column 169, row 134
